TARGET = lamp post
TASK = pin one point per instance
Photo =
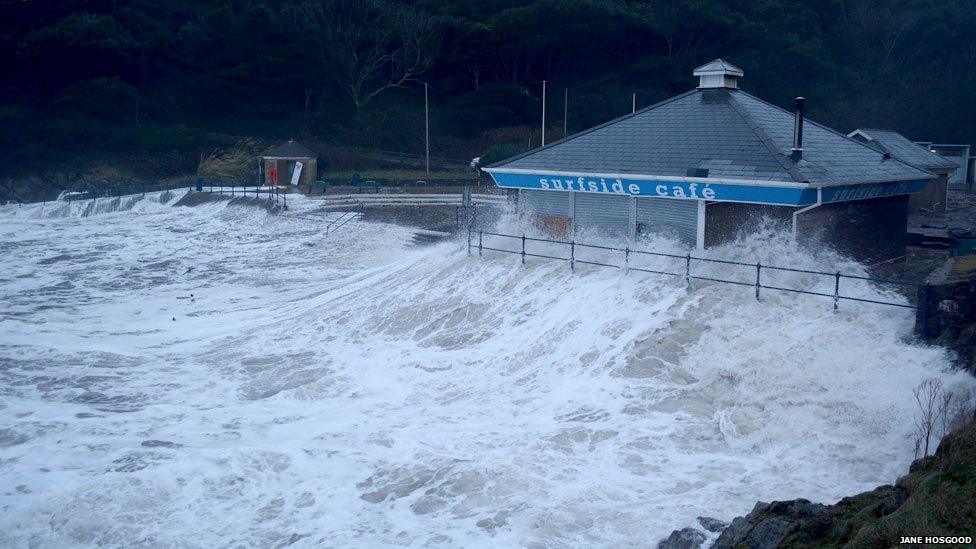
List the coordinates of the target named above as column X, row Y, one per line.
column 565, row 112
column 426, row 131
column 543, row 113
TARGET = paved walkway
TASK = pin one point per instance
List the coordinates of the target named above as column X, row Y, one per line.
column 961, row 214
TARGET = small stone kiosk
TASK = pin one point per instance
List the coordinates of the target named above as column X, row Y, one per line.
column 278, row 166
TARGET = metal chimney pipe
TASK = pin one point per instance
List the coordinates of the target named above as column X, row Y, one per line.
column 797, row 152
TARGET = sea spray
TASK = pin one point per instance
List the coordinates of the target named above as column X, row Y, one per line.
column 353, row 389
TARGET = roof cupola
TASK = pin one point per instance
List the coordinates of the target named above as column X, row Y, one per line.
column 718, row 74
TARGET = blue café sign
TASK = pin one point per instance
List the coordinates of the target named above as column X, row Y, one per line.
column 688, row 189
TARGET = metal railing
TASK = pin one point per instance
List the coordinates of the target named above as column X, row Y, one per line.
column 276, row 193
column 346, row 217
column 686, row 273
column 279, row 195
column 459, row 163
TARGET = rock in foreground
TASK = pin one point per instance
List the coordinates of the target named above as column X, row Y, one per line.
column 936, row 498
column 686, row 538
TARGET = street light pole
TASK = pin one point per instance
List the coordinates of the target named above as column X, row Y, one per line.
column 543, row 113
column 565, row 112
column 633, row 102
column 427, row 130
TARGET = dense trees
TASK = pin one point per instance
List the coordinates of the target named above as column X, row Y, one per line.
column 90, row 76
column 372, row 45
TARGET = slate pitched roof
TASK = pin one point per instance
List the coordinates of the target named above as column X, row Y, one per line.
column 291, row 149
column 727, row 131
column 904, row 149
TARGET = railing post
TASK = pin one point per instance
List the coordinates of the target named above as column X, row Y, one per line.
column 836, row 289
column 688, row 270
column 924, row 310
column 626, row 259
column 572, row 256
column 469, row 241
column 480, row 238
column 758, row 270
column 523, row 249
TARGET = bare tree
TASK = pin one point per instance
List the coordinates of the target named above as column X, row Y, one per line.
column 680, row 26
column 667, row 15
column 927, row 396
column 473, row 68
column 940, row 411
column 373, row 45
column 945, row 410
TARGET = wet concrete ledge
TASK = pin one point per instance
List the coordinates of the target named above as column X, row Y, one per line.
column 194, row 198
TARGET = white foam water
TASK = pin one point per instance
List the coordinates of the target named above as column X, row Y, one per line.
column 356, row 390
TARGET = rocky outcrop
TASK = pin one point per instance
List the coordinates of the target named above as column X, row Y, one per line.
column 770, row 523
column 712, row 524
column 686, row 538
column 692, row 538
column 946, row 314
column 936, row 498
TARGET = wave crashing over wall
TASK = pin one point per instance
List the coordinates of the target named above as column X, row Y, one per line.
column 222, row 376
column 143, row 202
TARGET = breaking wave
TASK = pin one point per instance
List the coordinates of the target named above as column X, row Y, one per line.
column 224, row 377
column 142, row 203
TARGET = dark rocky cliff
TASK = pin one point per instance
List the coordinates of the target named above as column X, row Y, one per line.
column 950, row 309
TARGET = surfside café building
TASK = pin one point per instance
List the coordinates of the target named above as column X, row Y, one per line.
column 712, row 163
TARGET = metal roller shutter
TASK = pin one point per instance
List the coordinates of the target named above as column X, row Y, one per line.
column 670, row 215
column 553, row 203
column 606, row 213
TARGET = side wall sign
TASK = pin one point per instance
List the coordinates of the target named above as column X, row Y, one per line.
column 876, row 190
